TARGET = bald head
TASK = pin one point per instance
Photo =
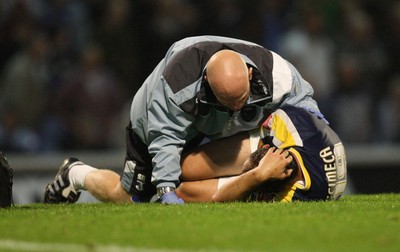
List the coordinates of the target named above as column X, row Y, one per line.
column 228, row 76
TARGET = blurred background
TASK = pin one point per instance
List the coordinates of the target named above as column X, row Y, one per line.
column 69, row 69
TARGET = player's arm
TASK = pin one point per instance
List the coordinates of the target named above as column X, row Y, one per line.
column 197, row 191
column 272, row 166
column 219, row 158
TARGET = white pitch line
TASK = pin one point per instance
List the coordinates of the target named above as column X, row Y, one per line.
column 12, row 245
column 15, row 245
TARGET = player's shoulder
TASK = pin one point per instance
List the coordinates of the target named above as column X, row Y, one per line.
column 294, row 111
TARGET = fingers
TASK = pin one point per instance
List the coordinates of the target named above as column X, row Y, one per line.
column 281, row 152
column 287, row 171
column 285, row 153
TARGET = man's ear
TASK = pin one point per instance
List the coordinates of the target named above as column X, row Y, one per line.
column 250, row 73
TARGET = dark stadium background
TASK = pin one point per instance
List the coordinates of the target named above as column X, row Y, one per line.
column 69, row 69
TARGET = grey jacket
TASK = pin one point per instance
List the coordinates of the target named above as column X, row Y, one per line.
column 175, row 104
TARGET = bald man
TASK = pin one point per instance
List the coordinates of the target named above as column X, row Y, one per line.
column 205, row 87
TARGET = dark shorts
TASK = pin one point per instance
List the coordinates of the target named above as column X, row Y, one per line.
column 136, row 177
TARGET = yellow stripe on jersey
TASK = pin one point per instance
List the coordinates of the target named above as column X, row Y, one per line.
column 283, row 131
column 286, row 195
column 300, row 163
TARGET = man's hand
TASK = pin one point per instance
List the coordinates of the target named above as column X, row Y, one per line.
column 274, row 165
column 171, row 198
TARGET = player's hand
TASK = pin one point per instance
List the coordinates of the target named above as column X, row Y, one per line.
column 274, row 165
column 171, row 198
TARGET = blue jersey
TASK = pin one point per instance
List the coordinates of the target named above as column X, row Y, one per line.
column 317, row 150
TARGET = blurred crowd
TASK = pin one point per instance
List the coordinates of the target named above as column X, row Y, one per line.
column 69, row 68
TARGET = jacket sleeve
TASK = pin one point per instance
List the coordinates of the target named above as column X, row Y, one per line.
column 167, row 129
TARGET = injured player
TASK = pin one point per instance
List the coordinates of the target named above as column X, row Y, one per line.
column 309, row 165
column 299, row 157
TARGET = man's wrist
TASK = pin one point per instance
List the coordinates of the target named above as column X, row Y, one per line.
column 258, row 176
column 163, row 190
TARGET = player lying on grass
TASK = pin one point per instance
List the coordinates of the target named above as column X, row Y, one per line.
column 264, row 171
column 66, row 186
column 307, row 139
column 319, row 163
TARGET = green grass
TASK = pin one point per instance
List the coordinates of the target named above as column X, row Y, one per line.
column 354, row 223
